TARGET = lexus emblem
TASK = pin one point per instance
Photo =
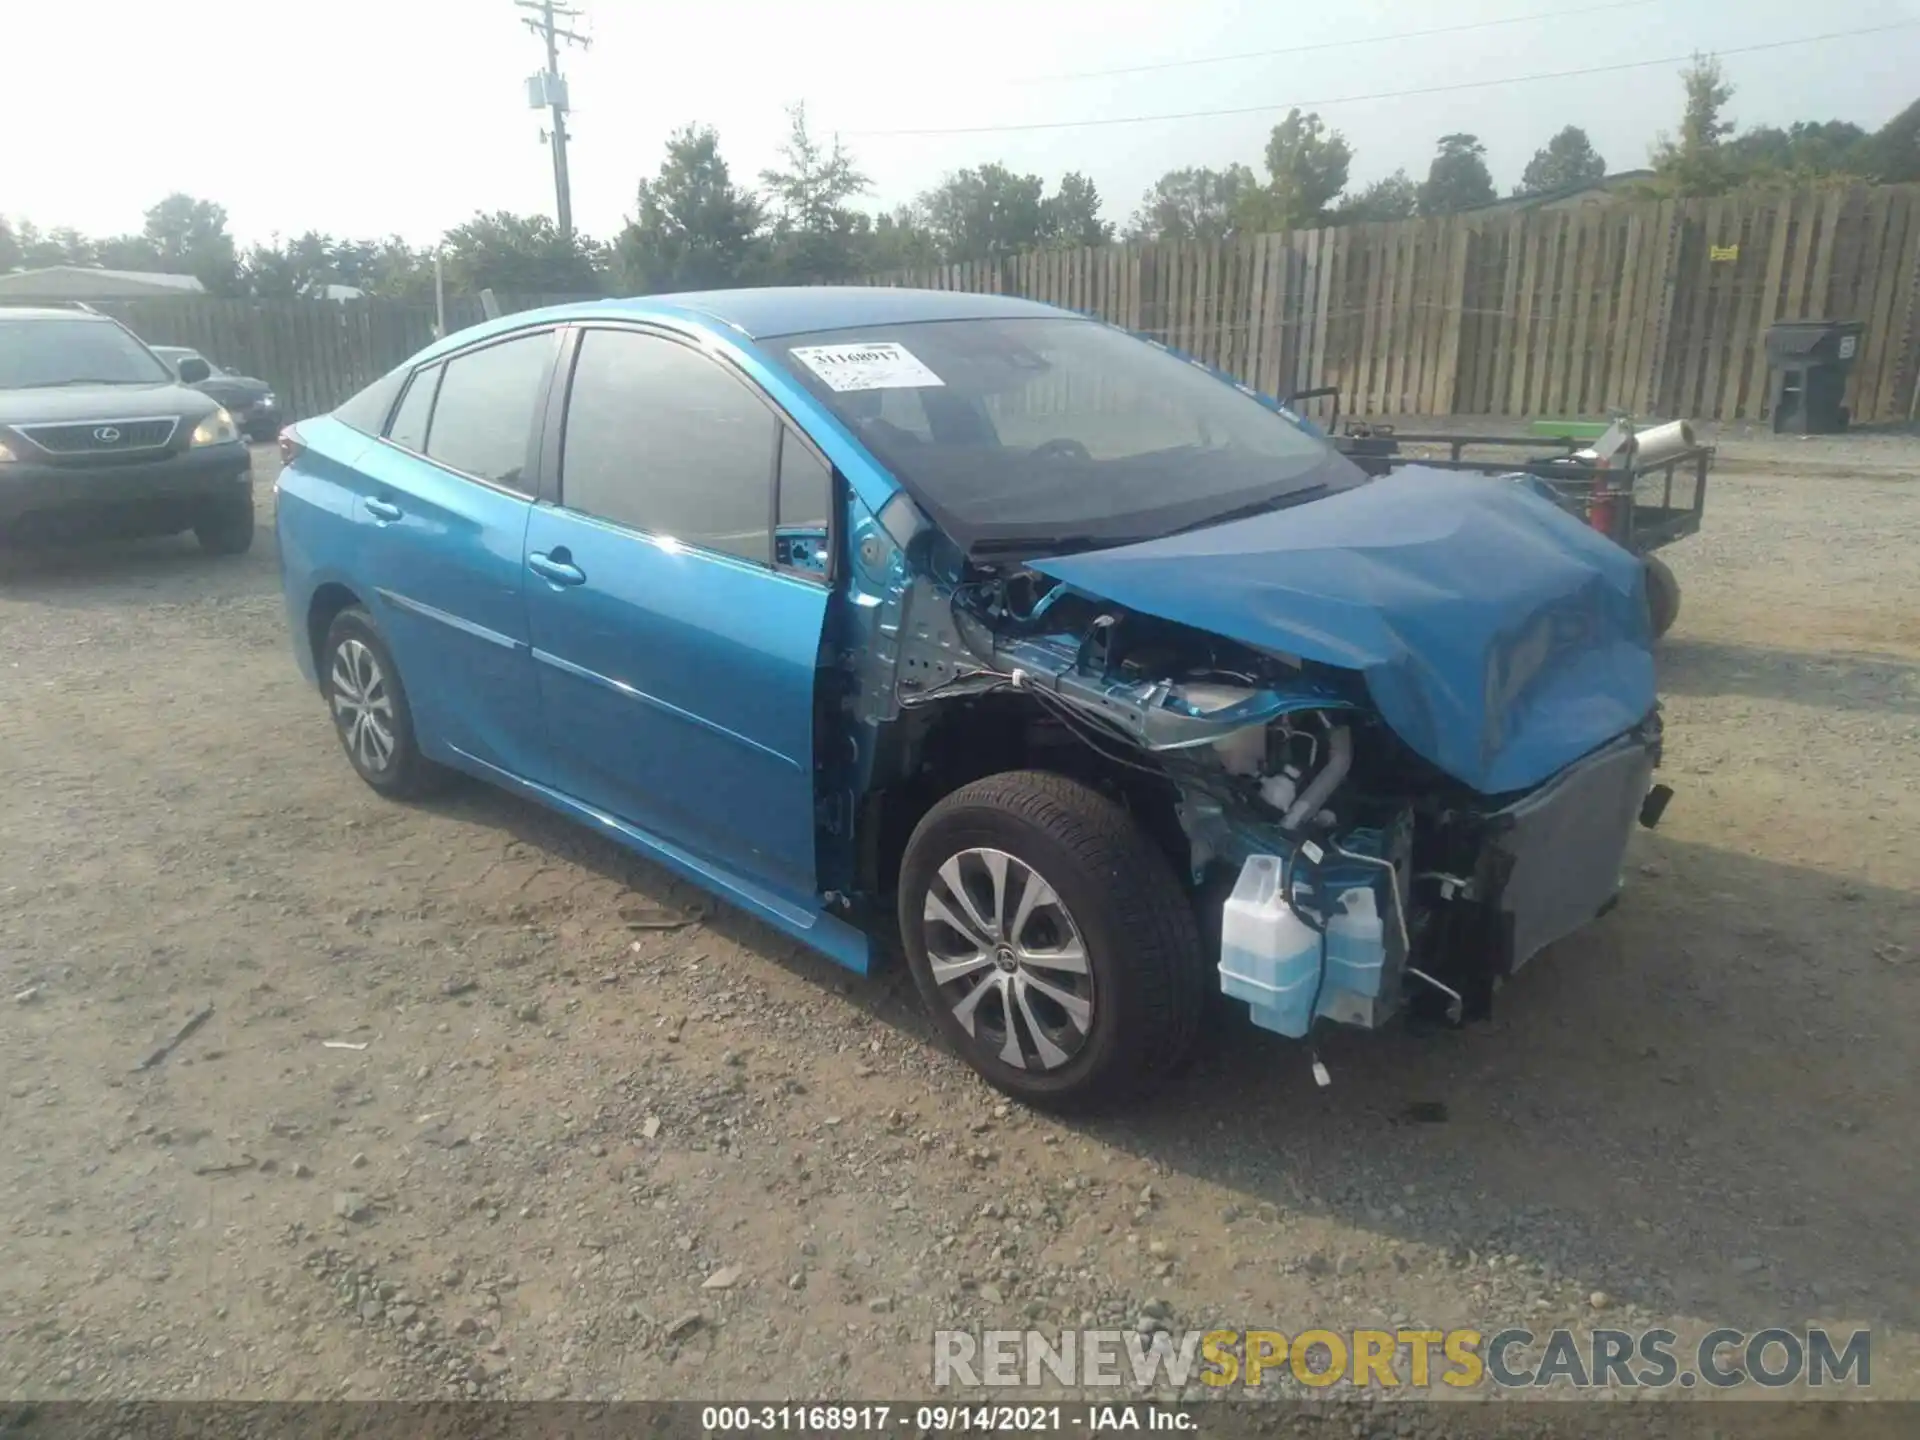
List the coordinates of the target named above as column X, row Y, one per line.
column 107, row 434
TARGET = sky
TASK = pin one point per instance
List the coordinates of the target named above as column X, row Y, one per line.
column 365, row 118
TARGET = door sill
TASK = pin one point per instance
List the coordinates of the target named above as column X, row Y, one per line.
column 840, row 942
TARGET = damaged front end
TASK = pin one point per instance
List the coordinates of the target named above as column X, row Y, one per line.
column 1339, row 872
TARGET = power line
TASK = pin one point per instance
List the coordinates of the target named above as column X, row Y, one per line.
column 1580, row 73
column 1332, row 44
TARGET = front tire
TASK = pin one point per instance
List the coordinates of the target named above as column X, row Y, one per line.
column 226, row 527
column 370, row 713
column 1051, row 942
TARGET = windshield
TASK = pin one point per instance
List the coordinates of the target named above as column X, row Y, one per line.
column 1037, row 435
column 174, row 354
column 42, row 352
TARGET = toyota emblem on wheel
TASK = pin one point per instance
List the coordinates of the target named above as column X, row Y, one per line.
column 107, row 434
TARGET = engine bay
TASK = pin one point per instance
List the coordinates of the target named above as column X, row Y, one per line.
column 1339, row 874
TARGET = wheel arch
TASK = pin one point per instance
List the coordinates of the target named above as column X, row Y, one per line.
column 329, row 599
column 953, row 743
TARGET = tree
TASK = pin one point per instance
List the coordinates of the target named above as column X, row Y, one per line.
column 899, row 240
column 811, row 192
column 1306, row 170
column 1805, row 150
column 1697, row 163
column 521, row 254
column 692, row 226
column 815, row 235
column 985, row 213
column 1394, row 197
column 1568, row 159
column 1192, row 204
column 1892, row 155
column 1458, row 178
column 185, row 236
column 1070, row 217
column 9, row 246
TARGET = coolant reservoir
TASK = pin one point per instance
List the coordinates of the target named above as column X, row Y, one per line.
column 1356, row 944
column 1269, row 957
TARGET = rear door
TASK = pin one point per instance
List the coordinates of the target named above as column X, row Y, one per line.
column 445, row 512
column 676, row 651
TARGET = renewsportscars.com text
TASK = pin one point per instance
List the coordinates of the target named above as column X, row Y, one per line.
column 1404, row 1359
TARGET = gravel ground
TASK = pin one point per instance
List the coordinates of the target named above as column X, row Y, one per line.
column 465, row 1120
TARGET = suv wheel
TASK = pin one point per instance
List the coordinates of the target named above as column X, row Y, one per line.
column 370, row 711
column 1051, row 942
column 226, row 527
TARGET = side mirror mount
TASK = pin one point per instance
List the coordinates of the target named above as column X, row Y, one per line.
column 193, row 370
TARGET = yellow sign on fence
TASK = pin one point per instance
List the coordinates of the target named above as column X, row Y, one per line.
column 1723, row 254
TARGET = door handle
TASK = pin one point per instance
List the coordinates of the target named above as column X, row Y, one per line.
column 384, row 511
column 556, row 572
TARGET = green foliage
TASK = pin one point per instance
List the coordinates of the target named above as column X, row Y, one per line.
column 1395, row 197
column 1892, row 156
column 816, row 237
column 1307, row 167
column 1697, row 163
column 182, row 236
column 1070, row 217
column 1458, row 179
column 1568, row 159
column 519, row 254
column 986, row 213
column 1196, row 203
column 692, row 226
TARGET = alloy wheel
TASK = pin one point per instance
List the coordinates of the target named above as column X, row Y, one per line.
column 1008, row 959
column 363, row 705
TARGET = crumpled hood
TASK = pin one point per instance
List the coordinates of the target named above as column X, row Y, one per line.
column 1500, row 637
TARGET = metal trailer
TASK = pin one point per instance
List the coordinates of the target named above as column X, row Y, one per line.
column 1643, row 496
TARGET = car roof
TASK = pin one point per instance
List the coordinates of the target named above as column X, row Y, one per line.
column 51, row 312
column 793, row 309
column 768, row 313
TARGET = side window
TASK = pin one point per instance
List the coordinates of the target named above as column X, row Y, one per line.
column 367, row 410
column 483, row 418
column 660, row 438
column 409, row 428
column 806, row 501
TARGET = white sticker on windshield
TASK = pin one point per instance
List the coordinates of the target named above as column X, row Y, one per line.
column 881, row 365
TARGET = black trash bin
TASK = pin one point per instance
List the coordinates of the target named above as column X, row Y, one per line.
column 1810, row 360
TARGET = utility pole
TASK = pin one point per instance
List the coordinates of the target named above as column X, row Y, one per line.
column 547, row 90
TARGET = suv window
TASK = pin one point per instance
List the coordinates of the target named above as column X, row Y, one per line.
column 45, row 351
column 483, row 417
column 660, row 438
column 409, row 428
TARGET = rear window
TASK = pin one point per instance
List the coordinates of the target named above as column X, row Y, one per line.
column 368, row 410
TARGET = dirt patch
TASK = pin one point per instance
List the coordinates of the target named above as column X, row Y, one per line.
column 453, row 1127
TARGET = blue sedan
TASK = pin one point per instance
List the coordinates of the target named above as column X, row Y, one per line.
column 1102, row 680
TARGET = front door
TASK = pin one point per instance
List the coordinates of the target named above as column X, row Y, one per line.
column 677, row 660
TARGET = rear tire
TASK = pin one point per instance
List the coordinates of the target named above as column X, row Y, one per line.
column 1082, row 994
column 370, row 713
column 1663, row 596
column 226, row 527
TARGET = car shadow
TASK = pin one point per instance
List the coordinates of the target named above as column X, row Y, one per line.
column 1881, row 684
column 1695, row 1105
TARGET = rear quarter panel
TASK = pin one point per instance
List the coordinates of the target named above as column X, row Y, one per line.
column 316, row 500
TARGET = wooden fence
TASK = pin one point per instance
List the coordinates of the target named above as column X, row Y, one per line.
column 314, row 353
column 1658, row 308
